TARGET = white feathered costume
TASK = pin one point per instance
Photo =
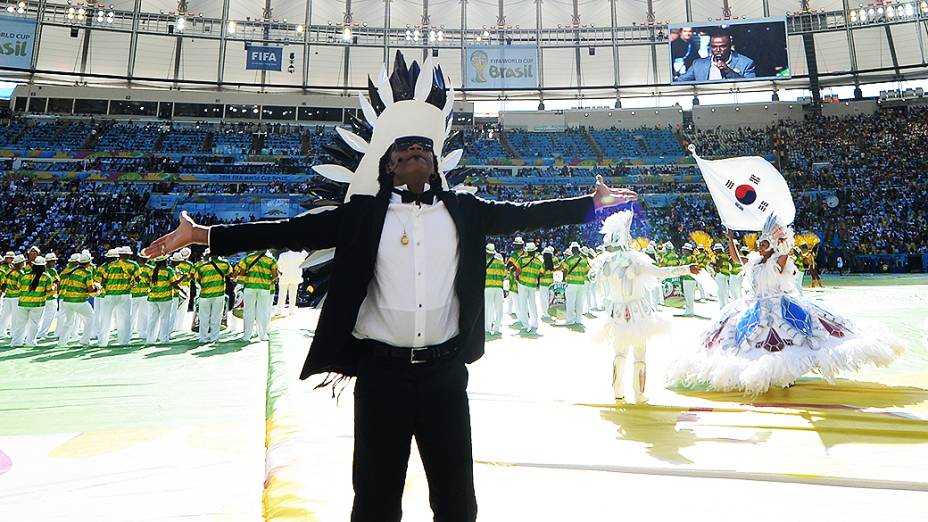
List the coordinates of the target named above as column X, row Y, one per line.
column 632, row 276
column 774, row 336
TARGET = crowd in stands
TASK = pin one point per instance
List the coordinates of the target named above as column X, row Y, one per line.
column 720, row 142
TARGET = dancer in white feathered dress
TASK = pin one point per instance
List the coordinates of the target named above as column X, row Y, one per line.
column 774, row 336
column 632, row 275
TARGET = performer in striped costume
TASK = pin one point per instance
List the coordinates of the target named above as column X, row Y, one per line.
column 549, row 266
column 575, row 269
column 163, row 284
column 493, row 292
column 184, row 269
column 117, row 283
column 51, row 306
column 257, row 272
column 530, row 267
column 35, row 288
column 76, row 288
column 515, row 306
column 722, row 267
column 211, row 274
column 13, row 263
column 139, row 307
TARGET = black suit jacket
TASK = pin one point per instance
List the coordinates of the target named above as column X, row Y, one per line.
column 355, row 229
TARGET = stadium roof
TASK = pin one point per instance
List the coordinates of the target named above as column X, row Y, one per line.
column 155, row 49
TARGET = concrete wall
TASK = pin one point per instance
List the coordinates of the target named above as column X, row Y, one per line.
column 753, row 115
column 850, row 108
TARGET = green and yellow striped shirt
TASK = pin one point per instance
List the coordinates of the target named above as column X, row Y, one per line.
column 262, row 273
column 76, row 284
column 12, row 283
column 212, row 281
column 670, row 259
column 723, row 264
column 686, row 261
column 547, row 276
column 34, row 298
column 118, row 277
column 162, row 289
column 142, row 280
column 496, row 271
column 576, row 269
column 530, row 267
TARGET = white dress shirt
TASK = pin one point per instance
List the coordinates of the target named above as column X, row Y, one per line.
column 411, row 300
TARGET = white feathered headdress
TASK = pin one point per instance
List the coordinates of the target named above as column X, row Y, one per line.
column 774, row 230
column 617, row 230
column 409, row 102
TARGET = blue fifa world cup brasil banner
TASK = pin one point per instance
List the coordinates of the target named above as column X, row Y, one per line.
column 17, row 37
column 501, row 67
column 264, row 58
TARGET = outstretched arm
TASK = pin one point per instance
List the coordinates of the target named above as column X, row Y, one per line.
column 506, row 218
column 306, row 231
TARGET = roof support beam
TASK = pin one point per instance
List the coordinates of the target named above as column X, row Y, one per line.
column 892, row 48
column 223, row 35
column 307, row 20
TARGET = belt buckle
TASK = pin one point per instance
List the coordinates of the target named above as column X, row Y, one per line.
column 412, row 355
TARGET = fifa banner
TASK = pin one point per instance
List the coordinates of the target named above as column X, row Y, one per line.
column 746, row 190
column 17, row 36
column 264, row 58
column 501, row 67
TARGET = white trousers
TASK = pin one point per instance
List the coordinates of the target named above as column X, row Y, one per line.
column 67, row 327
column 799, row 276
column 288, row 291
column 520, row 308
column 734, row 286
column 257, row 312
column 529, row 302
column 639, row 351
column 138, row 315
column 116, row 309
column 689, row 295
column 26, row 324
column 8, row 307
column 180, row 314
column 160, row 321
column 574, row 301
column 210, row 313
column 493, row 309
column 544, row 299
column 722, row 281
column 98, row 316
column 51, row 311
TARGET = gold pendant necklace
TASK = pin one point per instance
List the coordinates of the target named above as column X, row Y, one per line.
column 404, row 239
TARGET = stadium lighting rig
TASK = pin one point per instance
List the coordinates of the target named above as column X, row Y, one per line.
column 425, row 33
column 886, row 12
column 102, row 13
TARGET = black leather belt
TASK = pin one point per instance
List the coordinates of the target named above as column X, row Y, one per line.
column 419, row 355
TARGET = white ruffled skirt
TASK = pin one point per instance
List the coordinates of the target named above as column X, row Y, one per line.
column 756, row 344
column 635, row 323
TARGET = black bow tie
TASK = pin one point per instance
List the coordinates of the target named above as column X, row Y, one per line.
column 427, row 197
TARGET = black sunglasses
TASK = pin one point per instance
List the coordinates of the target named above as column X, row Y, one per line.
column 405, row 142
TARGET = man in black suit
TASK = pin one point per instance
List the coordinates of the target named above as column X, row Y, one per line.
column 404, row 314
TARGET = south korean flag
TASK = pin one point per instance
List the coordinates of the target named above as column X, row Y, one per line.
column 746, row 190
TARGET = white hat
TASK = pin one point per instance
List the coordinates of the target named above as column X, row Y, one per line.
column 206, row 253
column 112, row 253
column 124, row 250
column 573, row 245
column 19, row 258
column 518, row 241
column 687, row 246
column 548, row 250
column 649, row 249
column 74, row 258
column 51, row 257
column 85, row 258
column 491, row 248
column 744, row 248
column 176, row 257
column 184, row 253
column 9, row 253
column 33, row 247
column 668, row 245
column 38, row 261
column 530, row 247
column 718, row 246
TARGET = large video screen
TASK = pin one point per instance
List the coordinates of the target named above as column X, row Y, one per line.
column 729, row 51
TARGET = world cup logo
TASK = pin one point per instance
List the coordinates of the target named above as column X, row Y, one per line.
column 479, row 60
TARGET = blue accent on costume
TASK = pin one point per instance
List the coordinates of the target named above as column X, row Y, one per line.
column 795, row 316
column 747, row 324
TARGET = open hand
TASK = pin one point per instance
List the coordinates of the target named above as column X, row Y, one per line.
column 187, row 233
column 604, row 197
column 694, row 269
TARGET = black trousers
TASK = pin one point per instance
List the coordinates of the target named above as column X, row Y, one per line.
column 394, row 402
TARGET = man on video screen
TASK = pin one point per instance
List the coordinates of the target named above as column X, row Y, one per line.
column 722, row 63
